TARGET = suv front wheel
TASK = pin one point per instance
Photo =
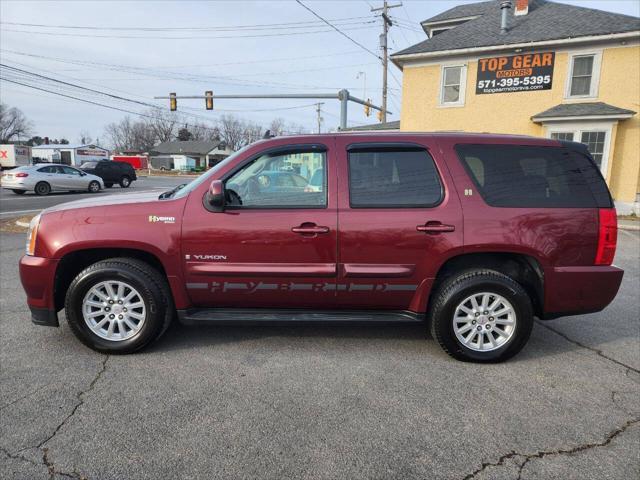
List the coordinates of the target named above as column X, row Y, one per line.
column 118, row 305
column 125, row 182
column 481, row 316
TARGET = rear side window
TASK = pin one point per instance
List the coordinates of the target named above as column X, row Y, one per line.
column 523, row 176
column 393, row 177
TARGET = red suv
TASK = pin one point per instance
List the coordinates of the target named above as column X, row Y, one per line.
column 474, row 234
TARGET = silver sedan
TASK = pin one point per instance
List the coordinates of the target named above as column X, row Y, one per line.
column 45, row 178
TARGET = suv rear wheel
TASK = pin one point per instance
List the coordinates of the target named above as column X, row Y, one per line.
column 481, row 316
column 118, row 305
column 125, row 182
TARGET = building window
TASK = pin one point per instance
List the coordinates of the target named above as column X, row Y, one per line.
column 583, row 75
column 562, row 136
column 595, row 143
column 453, row 85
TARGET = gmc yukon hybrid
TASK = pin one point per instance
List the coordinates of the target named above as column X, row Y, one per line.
column 472, row 234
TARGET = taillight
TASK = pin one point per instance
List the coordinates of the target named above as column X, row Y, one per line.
column 22, row 175
column 607, row 236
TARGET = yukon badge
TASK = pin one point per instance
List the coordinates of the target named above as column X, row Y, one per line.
column 204, row 258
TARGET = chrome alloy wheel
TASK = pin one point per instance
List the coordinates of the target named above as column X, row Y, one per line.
column 114, row 310
column 484, row 321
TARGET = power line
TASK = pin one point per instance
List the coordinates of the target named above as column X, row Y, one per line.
column 271, row 60
column 269, row 26
column 338, row 30
column 168, row 75
column 139, row 37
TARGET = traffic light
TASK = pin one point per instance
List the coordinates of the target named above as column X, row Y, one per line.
column 367, row 108
column 173, row 102
column 208, row 98
column 380, row 115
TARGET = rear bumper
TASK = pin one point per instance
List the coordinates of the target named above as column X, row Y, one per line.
column 580, row 290
column 37, row 275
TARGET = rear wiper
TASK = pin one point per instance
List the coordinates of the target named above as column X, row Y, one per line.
column 171, row 193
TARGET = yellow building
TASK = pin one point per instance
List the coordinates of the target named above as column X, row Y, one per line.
column 537, row 68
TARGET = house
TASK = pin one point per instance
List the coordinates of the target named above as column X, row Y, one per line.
column 554, row 70
column 69, row 154
column 205, row 153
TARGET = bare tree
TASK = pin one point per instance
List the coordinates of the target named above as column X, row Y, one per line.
column 13, row 124
column 130, row 135
column 200, row 131
column 232, row 131
column 252, row 133
column 163, row 124
column 84, row 138
column 276, row 127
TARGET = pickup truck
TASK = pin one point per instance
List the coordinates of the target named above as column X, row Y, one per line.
column 472, row 235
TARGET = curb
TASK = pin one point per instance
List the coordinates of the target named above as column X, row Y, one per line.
column 630, row 228
column 22, row 224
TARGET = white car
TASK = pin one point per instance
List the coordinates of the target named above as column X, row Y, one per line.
column 49, row 177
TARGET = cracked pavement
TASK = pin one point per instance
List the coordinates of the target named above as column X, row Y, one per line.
column 321, row 402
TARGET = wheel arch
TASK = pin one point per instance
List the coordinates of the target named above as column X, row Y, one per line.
column 524, row 269
column 71, row 264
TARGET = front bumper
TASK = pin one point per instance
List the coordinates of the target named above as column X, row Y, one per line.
column 37, row 275
column 580, row 290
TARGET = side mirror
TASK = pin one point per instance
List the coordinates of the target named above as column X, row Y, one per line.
column 215, row 196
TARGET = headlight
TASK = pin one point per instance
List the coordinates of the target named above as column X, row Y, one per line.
column 31, row 236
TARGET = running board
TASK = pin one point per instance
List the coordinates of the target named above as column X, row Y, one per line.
column 261, row 316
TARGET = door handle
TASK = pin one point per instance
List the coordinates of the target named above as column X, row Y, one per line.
column 310, row 229
column 435, row 227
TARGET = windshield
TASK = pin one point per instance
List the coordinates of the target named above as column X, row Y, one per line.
column 89, row 165
column 188, row 188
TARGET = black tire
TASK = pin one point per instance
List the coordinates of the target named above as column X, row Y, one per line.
column 18, row 192
column 125, row 181
column 94, row 186
column 456, row 289
column 42, row 188
column 145, row 279
column 108, row 185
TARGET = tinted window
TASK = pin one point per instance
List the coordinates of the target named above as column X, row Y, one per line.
column 520, row 176
column 393, row 177
column 270, row 181
column 89, row 165
column 46, row 170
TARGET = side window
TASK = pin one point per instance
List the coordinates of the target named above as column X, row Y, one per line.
column 393, row 177
column 70, row 171
column 522, row 176
column 46, row 170
column 280, row 180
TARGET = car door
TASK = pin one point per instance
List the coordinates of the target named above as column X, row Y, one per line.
column 50, row 175
column 398, row 215
column 269, row 247
column 72, row 179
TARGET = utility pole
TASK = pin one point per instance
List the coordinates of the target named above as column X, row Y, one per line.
column 386, row 23
column 319, row 111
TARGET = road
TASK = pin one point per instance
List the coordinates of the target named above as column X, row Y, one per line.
column 321, row 402
column 16, row 205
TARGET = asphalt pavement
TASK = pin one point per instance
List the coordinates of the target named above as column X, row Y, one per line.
column 12, row 205
column 330, row 402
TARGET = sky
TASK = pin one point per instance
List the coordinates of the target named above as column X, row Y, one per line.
column 142, row 49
